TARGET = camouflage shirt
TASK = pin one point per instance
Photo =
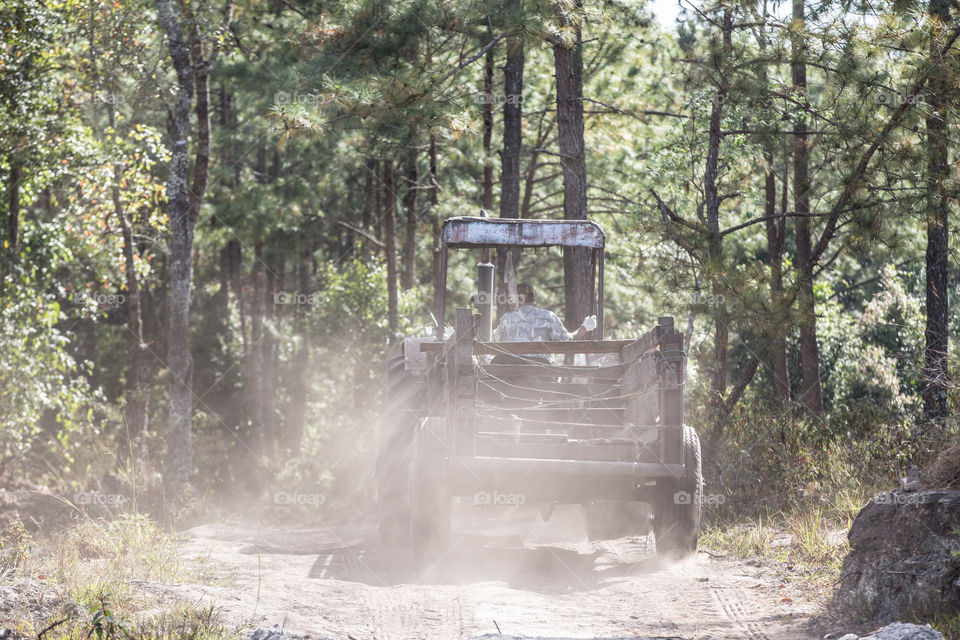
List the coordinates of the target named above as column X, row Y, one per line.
column 530, row 324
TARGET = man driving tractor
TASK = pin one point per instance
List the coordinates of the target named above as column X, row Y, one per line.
column 529, row 323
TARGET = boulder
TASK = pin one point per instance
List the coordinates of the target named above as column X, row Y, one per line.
column 899, row 631
column 904, row 559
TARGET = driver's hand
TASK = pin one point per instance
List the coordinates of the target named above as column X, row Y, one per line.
column 590, row 323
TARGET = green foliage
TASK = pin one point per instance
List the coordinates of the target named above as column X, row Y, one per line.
column 38, row 376
column 106, row 626
column 873, row 356
column 768, row 463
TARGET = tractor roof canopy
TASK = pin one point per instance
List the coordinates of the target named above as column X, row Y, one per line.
column 478, row 233
column 469, row 232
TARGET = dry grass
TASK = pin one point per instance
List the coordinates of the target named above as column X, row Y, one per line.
column 82, row 583
column 949, row 626
column 945, row 471
column 808, row 545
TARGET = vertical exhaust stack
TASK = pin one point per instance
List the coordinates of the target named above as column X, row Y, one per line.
column 485, row 280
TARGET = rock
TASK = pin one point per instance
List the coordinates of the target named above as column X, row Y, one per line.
column 274, row 633
column 901, row 631
column 912, row 481
column 904, row 560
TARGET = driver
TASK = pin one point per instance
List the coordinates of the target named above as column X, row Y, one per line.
column 529, row 323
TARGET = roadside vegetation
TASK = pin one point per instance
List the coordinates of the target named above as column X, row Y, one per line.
column 87, row 581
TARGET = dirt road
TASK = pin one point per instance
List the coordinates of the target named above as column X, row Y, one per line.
column 513, row 575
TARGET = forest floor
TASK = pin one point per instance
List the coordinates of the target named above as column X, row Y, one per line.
column 508, row 576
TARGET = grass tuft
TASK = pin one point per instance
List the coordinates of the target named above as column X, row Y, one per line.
column 83, row 583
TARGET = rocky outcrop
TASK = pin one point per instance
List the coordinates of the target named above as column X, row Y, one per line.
column 904, row 560
column 899, row 631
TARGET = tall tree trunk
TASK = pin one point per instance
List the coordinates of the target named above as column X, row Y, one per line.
column 776, row 234
column 512, row 129
column 378, row 205
column 223, row 294
column 178, row 465
column 369, row 203
column 255, row 379
column 297, row 407
column 811, row 396
column 137, row 406
column 512, row 146
column 533, row 164
column 192, row 71
column 435, row 223
column 488, row 100
column 935, row 377
column 390, row 245
column 13, row 207
column 273, row 283
column 412, row 178
column 568, row 62
column 715, row 262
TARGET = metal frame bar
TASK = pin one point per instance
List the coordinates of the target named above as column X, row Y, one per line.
column 471, row 232
column 595, row 468
column 596, row 243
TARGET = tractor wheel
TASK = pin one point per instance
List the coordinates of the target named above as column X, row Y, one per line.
column 430, row 500
column 676, row 516
column 611, row 519
column 397, row 429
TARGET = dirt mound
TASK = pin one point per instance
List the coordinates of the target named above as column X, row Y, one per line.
column 904, row 560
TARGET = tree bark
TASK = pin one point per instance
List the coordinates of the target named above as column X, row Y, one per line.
column 192, row 71
column 811, row 396
column 512, row 129
column 512, row 147
column 715, row 262
column 255, row 378
column 488, row 99
column 378, row 196
column 435, row 223
column 390, row 245
column 568, row 62
column 297, row 407
column 273, row 283
column 935, row 378
column 412, row 178
column 137, row 406
column 178, row 465
column 776, row 234
column 13, row 208
column 369, row 203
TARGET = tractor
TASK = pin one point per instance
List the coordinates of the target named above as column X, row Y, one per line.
column 597, row 422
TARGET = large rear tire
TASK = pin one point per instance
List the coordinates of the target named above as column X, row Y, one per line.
column 430, row 500
column 677, row 511
column 397, row 429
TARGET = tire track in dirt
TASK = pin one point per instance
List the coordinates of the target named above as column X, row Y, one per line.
column 405, row 615
column 526, row 579
column 737, row 614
